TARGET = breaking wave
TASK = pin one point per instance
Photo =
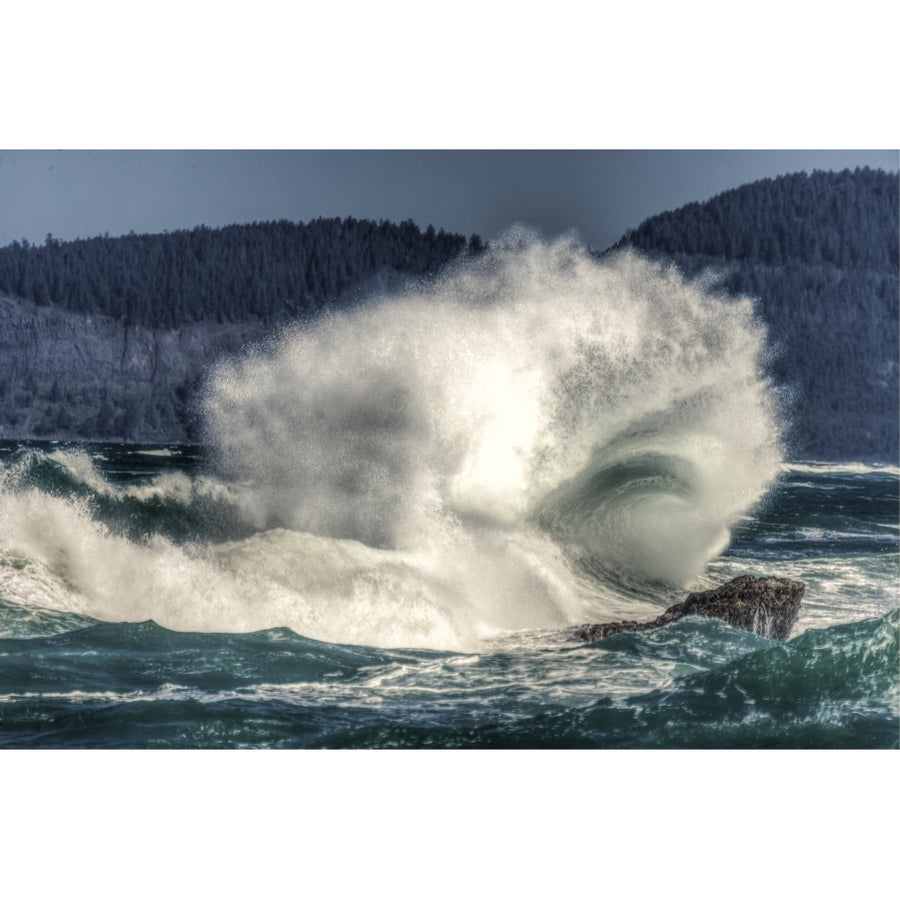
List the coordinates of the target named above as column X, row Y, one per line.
column 535, row 438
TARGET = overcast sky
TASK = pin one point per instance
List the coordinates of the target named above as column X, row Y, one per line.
column 602, row 193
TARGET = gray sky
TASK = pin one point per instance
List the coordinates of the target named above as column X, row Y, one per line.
column 600, row 193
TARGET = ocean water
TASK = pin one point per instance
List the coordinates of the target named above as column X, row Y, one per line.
column 397, row 513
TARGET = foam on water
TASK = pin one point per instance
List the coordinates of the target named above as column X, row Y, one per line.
column 849, row 468
column 510, row 447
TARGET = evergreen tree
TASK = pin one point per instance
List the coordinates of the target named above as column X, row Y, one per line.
column 819, row 255
column 266, row 271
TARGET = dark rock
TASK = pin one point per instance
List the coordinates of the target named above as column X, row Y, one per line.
column 765, row 606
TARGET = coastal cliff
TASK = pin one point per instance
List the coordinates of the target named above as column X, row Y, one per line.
column 111, row 338
column 67, row 375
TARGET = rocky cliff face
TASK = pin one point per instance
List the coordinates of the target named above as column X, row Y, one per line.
column 67, row 376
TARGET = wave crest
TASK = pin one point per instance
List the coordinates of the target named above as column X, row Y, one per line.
column 614, row 405
column 535, row 439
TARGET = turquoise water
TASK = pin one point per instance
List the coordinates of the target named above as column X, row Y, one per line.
column 73, row 674
column 399, row 512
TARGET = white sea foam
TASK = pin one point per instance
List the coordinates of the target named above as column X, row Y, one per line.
column 173, row 486
column 614, row 405
column 442, row 467
column 850, row 468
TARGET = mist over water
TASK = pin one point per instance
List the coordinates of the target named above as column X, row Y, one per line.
column 534, row 440
column 508, row 447
column 538, row 439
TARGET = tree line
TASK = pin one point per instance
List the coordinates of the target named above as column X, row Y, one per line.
column 264, row 271
column 819, row 254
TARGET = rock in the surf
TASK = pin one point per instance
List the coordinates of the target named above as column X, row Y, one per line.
column 765, row 606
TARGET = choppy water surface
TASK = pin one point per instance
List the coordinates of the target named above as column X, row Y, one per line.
column 399, row 511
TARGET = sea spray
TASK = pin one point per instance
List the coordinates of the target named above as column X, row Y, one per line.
column 613, row 406
column 533, row 440
column 70, row 680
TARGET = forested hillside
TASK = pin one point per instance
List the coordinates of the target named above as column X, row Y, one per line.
column 263, row 272
column 819, row 253
column 109, row 338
